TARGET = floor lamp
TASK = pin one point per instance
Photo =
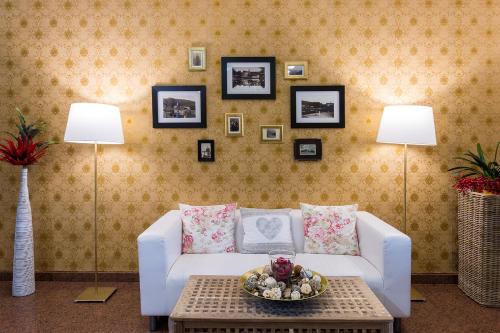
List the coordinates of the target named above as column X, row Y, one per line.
column 95, row 124
column 407, row 125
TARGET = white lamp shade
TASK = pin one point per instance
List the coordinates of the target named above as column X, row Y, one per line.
column 407, row 124
column 94, row 123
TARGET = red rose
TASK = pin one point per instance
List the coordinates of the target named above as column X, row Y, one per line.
column 282, row 269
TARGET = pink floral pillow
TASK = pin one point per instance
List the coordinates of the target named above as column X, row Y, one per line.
column 208, row 229
column 330, row 229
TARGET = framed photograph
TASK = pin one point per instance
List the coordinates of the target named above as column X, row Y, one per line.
column 248, row 77
column 179, row 107
column 296, row 70
column 234, row 124
column 317, row 106
column 197, row 58
column 307, row 149
column 206, row 151
column 271, row 133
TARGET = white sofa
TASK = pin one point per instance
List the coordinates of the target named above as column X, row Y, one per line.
column 384, row 263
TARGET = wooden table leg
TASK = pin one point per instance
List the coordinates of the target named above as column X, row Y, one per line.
column 178, row 327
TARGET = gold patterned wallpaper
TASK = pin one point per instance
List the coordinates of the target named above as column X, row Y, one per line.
column 53, row 53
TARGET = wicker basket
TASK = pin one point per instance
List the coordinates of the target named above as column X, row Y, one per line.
column 479, row 247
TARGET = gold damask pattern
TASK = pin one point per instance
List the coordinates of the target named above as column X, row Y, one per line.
column 440, row 53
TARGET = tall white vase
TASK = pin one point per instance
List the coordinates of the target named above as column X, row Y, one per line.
column 23, row 279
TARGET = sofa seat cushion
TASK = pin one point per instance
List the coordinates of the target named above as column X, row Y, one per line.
column 343, row 265
column 208, row 264
column 239, row 263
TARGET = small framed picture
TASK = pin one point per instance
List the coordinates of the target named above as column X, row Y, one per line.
column 234, row 124
column 296, row 70
column 179, row 107
column 307, row 149
column 271, row 133
column 197, row 58
column 317, row 106
column 248, row 77
column 206, row 151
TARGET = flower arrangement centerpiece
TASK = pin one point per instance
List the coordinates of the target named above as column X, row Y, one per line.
column 281, row 264
column 22, row 149
column 284, row 281
column 478, row 174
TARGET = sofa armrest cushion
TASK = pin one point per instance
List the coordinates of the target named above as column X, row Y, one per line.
column 389, row 250
column 159, row 246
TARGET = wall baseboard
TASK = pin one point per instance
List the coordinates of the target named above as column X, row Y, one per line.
column 434, row 278
column 423, row 278
column 79, row 276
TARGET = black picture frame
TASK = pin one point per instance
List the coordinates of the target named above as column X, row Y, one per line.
column 325, row 123
column 202, row 157
column 299, row 154
column 226, row 63
column 175, row 123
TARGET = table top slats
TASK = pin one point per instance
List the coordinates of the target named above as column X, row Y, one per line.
column 209, row 297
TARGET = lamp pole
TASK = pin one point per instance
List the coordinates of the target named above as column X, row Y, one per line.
column 404, row 186
column 95, row 219
column 96, row 293
column 416, row 296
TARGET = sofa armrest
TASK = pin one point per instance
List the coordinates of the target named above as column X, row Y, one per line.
column 159, row 246
column 389, row 250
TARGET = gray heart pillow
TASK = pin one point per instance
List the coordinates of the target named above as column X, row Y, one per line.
column 269, row 227
column 265, row 230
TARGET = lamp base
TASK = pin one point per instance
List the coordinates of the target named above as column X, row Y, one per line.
column 95, row 294
column 416, row 296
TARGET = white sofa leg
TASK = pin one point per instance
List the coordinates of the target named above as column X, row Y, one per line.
column 397, row 325
column 154, row 323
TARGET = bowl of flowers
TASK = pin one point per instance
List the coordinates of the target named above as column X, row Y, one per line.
column 282, row 280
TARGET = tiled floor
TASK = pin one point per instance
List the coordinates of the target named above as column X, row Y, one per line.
column 52, row 309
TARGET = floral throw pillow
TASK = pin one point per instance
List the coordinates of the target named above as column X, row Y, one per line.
column 208, row 229
column 330, row 229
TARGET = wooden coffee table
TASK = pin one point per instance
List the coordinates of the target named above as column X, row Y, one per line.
column 216, row 304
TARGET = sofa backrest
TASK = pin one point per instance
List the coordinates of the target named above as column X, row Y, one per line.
column 297, row 230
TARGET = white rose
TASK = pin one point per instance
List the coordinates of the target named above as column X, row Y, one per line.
column 267, row 293
column 295, row 295
column 276, row 293
column 305, row 288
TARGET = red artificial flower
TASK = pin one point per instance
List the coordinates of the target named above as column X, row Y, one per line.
column 478, row 184
column 23, row 151
column 282, row 269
